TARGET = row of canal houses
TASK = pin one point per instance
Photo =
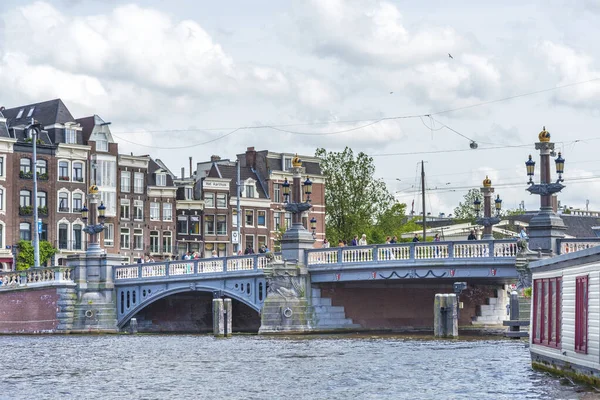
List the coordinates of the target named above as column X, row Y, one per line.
column 150, row 210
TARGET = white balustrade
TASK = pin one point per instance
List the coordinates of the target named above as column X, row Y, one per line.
column 570, row 247
column 471, row 250
column 181, row 268
column 504, row 249
column 263, row 261
column 153, row 270
column 399, row 252
column 428, row 251
column 323, row 257
column 40, row 275
column 240, row 263
column 209, row 266
column 10, row 279
column 126, row 273
column 357, row 254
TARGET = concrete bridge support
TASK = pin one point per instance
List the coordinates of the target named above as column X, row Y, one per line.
column 222, row 317
column 445, row 316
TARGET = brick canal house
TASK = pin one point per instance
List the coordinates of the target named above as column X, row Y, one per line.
column 189, row 208
column 8, row 223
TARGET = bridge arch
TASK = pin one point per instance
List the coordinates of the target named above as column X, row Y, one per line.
column 124, row 317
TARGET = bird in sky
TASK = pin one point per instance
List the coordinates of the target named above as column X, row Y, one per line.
column 450, row 55
column 391, row 92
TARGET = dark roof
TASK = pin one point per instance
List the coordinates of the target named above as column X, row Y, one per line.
column 3, row 128
column 47, row 113
column 87, row 125
column 230, row 172
column 578, row 226
column 153, row 166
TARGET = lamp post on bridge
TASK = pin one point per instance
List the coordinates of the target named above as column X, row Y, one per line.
column 545, row 227
column 488, row 220
column 296, row 238
column 96, row 214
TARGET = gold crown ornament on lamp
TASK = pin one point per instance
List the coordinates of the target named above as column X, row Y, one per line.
column 296, row 161
column 544, row 135
column 93, row 189
column 487, row 182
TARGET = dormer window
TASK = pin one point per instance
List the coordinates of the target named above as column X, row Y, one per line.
column 249, row 188
column 30, row 113
column 287, row 163
column 101, row 142
column 161, row 179
column 250, row 191
column 20, row 114
column 70, row 136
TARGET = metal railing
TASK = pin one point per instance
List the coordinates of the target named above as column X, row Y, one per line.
column 197, row 267
column 413, row 251
column 571, row 245
column 72, row 245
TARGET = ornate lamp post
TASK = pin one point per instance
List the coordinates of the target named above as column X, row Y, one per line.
column 313, row 227
column 545, row 227
column 95, row 215
column 488, row 220
column 296, row 238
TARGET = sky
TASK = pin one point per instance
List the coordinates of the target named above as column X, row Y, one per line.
column 184, row 78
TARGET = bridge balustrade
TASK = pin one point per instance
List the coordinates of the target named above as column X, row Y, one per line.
column 35, row 275
column 413, row 251
column 193, row 267
column 572, row 245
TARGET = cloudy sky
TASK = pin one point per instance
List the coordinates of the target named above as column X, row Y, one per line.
column 177, row 77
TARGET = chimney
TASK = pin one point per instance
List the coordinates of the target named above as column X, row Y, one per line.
column 251, row 157
column 214, row 158
column 182, row 173
column 190, row 167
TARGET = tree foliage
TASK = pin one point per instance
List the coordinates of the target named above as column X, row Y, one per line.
column 465, row 210
column 26, row 259
column 392, row 222
column 354, row 198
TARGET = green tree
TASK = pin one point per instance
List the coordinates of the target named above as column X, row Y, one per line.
column 354, row 198
column 465, row 210
column 392, row 222
column 277, row 238
column 25, row 258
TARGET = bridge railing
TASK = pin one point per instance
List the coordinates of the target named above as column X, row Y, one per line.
column 32, row 276
column 571, row 245
column 193, row 267
column 413, row 251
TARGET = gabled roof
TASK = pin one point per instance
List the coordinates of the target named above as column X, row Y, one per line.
column 230, row 172
column 47, row 113
column 3, row 127
column 578, row 226
column 89, row 123
column 153, row 167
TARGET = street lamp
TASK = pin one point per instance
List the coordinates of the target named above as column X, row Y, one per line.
column 286, row 191
column 313, row 227
column 498, row 203
column 545, row 227
column 477, row 206
column 487, row 220
column 96, row 217
column 307, row 188
column 34, row 129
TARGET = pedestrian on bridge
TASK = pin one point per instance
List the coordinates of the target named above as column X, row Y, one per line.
column 325, row 243
column 354, row 241
column 416, row 238
column 472, row 236
column 363, row 240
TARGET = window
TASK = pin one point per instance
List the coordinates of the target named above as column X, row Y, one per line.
column 1, row 199
column 78, row 172
column 101, row 144
column 161, row 179
column 77, row 202
column 25, row 165
column 42, row 169
column 1, row 236
column 25, row 198
column 189, row 193
column 109, row 235
column 262, row 241
column 42, row 201
column 209, row 225
column 250, row 191
column 167, row 242
column 276, row 193
column 25, row 231
column 182, row 225
column 20, row 114
column 209, row 199
column 125, row 181
column 106, row 173
column 125, row 238
column 138, row 182
column 154, row 242
column 138, row 239
column 44, row 232
column 194, row 225
column 138, row 210
column 221, row 224
column 30, row 113
column 221, row 200
column 63, row 170
column 581, row 314
column 167, row 212
column 125, row 208
column 70, row 136
column 154, row 211
column 249, row 217
column 63, row 236
column 110, row 202
column 288, row 220
column 1, row 166
column 250, row 241
column 77, row 242
column 234, row 217
column 261, row 218
column 277, row 220
column 63, row 202
column 547, row 311
column 287, row 164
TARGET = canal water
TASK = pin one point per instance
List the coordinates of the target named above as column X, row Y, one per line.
column 258, row 367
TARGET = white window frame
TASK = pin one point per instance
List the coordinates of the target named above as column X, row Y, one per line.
column 58, row 175
column 70, row 135
column 223, row 200
column 82, row 164
column 224, row 217
column 137, row 233
column 167, row 236
column 138, row 204
column 138, row 177
column 68, row 201
column 78, row 192
column 154, row 211
column 161, row 179
column 245, row 215
column 109, row 234
column 209, row 200
column 125, row 181
column 123, row 234
column 258, row 218
column 157, row 236
column 101, row 143
column 167, row 212
column 125, row 204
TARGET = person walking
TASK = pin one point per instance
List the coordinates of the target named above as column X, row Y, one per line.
column 416, row 238
column 325, row 243
column 354, row 241
column 436, row 238
column 472, row 235
column 363, row 240
column 394, row 240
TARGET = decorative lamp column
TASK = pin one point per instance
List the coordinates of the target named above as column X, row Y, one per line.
column 296, row 238
column 488, row 220
column 96, row 217
column 313, row 227
column 545, row 227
